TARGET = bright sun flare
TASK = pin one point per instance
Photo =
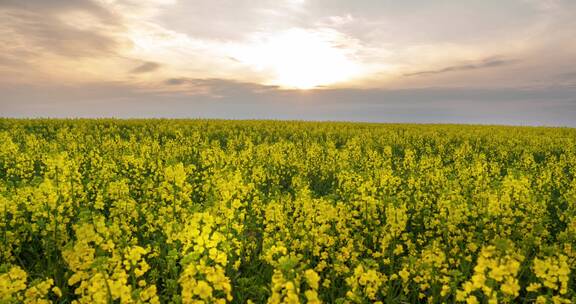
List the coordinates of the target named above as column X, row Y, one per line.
column 299, row 59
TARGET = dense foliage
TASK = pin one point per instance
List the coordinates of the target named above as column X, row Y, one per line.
column 180, row 211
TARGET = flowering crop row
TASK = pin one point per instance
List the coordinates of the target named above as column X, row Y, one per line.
column 197, row 211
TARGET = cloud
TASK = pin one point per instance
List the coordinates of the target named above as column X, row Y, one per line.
column 218, row 87
column 10, row 61
column 486, row 63
column 216, row 83
column 567, row 75
column 232, row 20
column 57, row 6
column 561, row 80
column 65, row 28
column 176, row 81
column 146, row 67
column 62, row 41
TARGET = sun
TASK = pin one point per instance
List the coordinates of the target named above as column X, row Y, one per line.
column 300, row 59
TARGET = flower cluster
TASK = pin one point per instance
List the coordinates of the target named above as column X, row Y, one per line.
column 553, row 274
column 365, row 285
column 14, row 288
column 495, row 276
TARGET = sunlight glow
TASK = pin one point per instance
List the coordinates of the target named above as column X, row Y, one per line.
column 300, row 59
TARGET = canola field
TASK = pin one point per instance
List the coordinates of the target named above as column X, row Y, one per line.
column 208, row 211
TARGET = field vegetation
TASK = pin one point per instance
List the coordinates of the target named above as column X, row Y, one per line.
column 208, row 211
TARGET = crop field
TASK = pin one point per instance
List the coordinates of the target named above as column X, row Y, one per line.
column 209, row 211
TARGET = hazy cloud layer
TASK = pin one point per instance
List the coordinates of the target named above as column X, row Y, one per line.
column 233, row 100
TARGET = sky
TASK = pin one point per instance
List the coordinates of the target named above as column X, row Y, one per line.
column 509, row 62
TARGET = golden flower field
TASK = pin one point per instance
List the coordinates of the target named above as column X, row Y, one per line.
column 208, row 211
